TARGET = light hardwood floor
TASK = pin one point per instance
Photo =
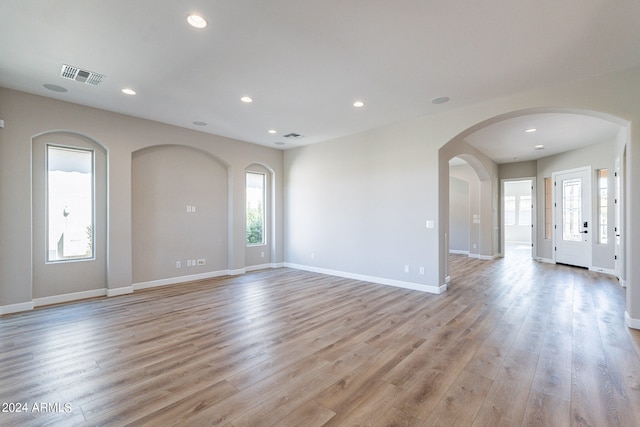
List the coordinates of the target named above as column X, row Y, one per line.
column 512, row 342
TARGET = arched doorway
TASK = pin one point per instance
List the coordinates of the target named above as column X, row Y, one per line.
column 501, row 165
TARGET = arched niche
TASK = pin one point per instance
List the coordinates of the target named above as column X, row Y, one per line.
column 181, row 217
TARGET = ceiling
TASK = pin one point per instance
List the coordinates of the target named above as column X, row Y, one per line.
column 304, row 62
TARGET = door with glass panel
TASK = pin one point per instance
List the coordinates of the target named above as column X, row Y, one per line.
column 572, row 207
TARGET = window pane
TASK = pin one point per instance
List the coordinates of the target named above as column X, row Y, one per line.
column 571, row 209
column 524, row 210
column 255, row 208
column 509, row 210
column 69, row 204
column 603, row 205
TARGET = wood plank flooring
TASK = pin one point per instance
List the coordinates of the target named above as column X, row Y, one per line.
column 512, row 342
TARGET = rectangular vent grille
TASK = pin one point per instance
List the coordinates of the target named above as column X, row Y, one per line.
column 82, row 76
column 292, row 135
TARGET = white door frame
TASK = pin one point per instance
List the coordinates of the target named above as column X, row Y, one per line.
column 589, row 211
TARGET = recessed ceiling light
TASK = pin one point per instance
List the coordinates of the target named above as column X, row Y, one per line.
column 272, row 131
column 531, row 130
column 200, row 123
column 440, row 100
column 196, row 21
column 128, row 91
column 246, row 99
column 358, row 104
column 539, row 147
column 54, row 88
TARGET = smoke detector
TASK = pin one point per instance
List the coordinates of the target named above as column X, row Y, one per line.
column 70, row 72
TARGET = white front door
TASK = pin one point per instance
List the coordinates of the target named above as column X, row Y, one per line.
column 573, row 228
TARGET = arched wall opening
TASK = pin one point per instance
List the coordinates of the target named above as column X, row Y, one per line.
column 486, row 172
column 459, row 147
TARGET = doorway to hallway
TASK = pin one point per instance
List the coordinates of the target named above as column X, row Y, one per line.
column 518, row 204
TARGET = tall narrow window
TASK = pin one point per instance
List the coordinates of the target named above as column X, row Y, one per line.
column 69, row 204
column 603, row 205
column 548, row 208
column 255, row 208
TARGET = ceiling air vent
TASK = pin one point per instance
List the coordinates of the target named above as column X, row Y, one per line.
column 292, row 135
column 82, row 76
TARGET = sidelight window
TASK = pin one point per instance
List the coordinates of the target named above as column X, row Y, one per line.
column 603, row 205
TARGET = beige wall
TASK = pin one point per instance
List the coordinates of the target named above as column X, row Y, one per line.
column 376, row 190
column 357, row 205
column 27, row 115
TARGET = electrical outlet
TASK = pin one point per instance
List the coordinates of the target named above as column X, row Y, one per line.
column 202, row 262
column 188, row 263
column 406, row 268
column 421, row 270
column 178, row 264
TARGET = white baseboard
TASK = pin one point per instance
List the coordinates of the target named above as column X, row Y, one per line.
column 75, row 296
column 379, row 280
column 180, row 279
column 603, row 270
column 257, row 267
column 485, row 257
column 458, row 252
column 16, row 308
column 119, row 291
column 263, row 266
column 630, row 321
column 545, row 260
